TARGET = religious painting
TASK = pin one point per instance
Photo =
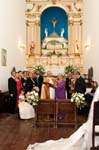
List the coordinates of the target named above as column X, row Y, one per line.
column 3, row 57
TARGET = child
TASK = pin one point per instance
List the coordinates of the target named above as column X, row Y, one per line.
column 26, row 111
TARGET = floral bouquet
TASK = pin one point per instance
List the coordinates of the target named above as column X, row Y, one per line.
column 32, row 97
column 79, row 99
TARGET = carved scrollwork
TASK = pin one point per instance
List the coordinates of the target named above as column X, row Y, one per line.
column 30, row 7
column 77, row 6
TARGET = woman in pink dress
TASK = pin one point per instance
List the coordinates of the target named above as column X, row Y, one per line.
column 19, row 86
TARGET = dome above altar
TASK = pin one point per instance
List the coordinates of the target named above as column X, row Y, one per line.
column 53, row 34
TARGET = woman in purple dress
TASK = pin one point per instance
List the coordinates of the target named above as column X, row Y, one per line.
column 60, row 87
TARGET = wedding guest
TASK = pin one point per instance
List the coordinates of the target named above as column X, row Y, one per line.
column 72, row 85
column 12, row 87
column 60, row 87
column 19, row 85
column 24, row 79
column 26, row 111
column 30, row 84
column 20, row 74
column 68, row 85
column 89, row 95
column 38, row 81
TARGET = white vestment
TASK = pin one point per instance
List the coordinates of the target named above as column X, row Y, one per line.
column 81, row 139
column 52, row 90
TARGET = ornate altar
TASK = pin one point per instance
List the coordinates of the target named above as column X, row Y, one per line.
column 51, row 47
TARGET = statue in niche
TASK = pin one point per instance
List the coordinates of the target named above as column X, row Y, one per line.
column 32, row 46
column 62, row 32
column 46, row 32
column 54, row 21
column 76, row 47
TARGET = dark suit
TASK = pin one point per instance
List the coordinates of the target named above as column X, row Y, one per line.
column 38, row 81
column 12, row 87
column 24, row 83
column 67, row 87
column 80, row 85
column 30, row 83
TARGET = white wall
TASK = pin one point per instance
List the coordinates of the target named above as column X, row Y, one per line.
column 91, row 33
column 12, row 29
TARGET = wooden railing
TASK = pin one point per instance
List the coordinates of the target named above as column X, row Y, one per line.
column 56, row 112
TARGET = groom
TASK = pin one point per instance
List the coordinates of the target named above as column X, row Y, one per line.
column 80, row 85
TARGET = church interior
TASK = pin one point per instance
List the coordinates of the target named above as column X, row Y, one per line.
column 52, row 34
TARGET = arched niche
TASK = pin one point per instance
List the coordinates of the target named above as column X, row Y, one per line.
column 61, row 21
column 54, row 27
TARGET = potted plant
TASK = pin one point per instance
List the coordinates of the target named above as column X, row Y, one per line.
column 69, row 68
column 39, row 68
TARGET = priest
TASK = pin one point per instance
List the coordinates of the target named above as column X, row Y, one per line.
column 48, row 87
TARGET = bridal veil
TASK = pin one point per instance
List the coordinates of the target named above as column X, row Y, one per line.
column 80, row 139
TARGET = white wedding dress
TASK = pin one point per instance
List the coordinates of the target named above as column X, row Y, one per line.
column 26, row 111
column 81, row 139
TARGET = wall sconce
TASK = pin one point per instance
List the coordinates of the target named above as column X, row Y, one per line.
column 87, row 44
column 21, row 45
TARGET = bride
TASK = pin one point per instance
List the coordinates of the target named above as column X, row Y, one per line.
column 81, row 139
column 26, row 111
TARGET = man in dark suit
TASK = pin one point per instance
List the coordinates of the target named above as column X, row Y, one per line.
column 12, row 87
column 68, row 85
column 38, row 81
column 80, row 85
column 30, row 83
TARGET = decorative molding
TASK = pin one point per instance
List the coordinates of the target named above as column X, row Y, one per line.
column 30, row 9
column 39, row 7
column 77, row 6
column 37, row 23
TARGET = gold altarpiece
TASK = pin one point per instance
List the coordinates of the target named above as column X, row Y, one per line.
column 74, row 56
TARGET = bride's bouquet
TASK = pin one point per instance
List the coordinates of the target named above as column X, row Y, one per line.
column 79, row 100
column 32, row 97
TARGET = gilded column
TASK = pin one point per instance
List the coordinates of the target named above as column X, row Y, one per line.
column 27, row 38
column 80, row 37
column 77, row 37
column 70, row 35
column 37, row 37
